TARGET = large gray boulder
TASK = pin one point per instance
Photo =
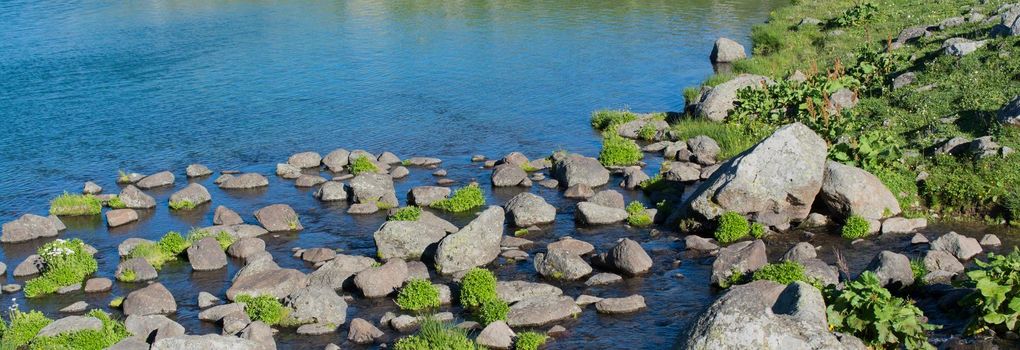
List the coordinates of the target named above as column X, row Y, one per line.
column 336, row 160
column 560, row 264
column 244, row 181
column 160, row 179
column 628, row 257
column 507, row 175
column 528, row 209
column 29, row 227
column 541, row 310
column 206, row 255
column 305, row 160
column 741, row 257
column 373, row 188
column 514, row 291
column 474, row 245
column 425, row 195
column 774, row 182
column 1010, row 113
column 206, row 342
column 960, row 246
column 278, row 218
column 575, row 169
column 151, row 300
column 594, row 214
column 704, row 150
column 892, row 269
column 727, row 51
column 407, row 240
column 225, row 216
column 335, row 273
column 380, row 281
column 848, row 190
column 276, row 282
column 317, row 305
column 332, row 191
column 194, row 193
column 70, row 324
column 767, row 315
column 717, row 103
column 133, row 198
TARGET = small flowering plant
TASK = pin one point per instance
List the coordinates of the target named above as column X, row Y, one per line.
column 65, row 262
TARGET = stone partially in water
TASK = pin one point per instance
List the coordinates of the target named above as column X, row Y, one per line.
column 541, row 310
column 206, row 254
column 363, row 332
column 380, row 281
column 514, row 291
column 305, row 160
column 195, row 194
column 629, row 304
column 727, row 51
column 407, row 240
column 629, row 258
column 559, row 264
column 574, row 169
column 27, row 228
column 151, row 300
column 276, row 282
column 741, row 257
column 526, row 209
column 474, row 245
column 225, row 216
column 278, row 218
column 159, row 179
column 197, row 170
column 245, row 181
column 594, row 214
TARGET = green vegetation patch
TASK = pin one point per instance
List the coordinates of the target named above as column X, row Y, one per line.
column 868, row 311
column 361, row 165
column 463, row 199
column 731, row 228
column 757, row 230
column 64, row 263
column 76, row 204
column 996, row 298
column 21, row 327
column 619, row 151
column 265, row 308
column 609, row 119
column 855, row 227
column 417, row 295
column 492, row 310
column 638, row 217
column 477, row 287
column 183, row 204
column 529, row 340
column 411, row 213
column 732, row 139
column 158, row 253
column 112, row 332
column 785, row 272
column 116, row 203
column 222, row 237
column 433, row 334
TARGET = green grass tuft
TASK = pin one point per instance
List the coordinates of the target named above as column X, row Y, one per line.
column 463, row 199
column 477, row 287
column 757, row 230
column 64, row 263
column 183, row 204
column 417, row 295
column 116, row 203
column 785, row 272
column 433, row 334
column 638, row 216
column 529, row 340
column 265, row 308
column 362, row 165
column 492, row 310
column 732, row 139
column 127, row 275
column 112, row 332
column 732, row 227
column 619, row 151
column 607, row 119
column 76, row 205
column 222, row 237
column 411, row 213
column 21, row 327
column 855, row 227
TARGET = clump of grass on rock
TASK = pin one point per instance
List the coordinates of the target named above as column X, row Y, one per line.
column 75, row 205
column 265, row 308
column 64, row 263
column 158, row 253
column 363, row 165
column 417, row 295
column 463, row 199
column 638, row 216
column 529, row 340
column 183, row 204
column 433, row 334
column 785, row 272
column 855, row 227
column 111, row 333
column 607, row 119
column 411, row 213
column 732, row 227
column 619, row 151
column 222, row 237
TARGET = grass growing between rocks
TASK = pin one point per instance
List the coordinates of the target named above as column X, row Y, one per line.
column 112, row 332
column 411, row 213
column 478, row 294
column 638, row 217
column 222, row 237
column 619, row 151
column 362, row 165
column 265, row 308
column 463, row 199
column 433, row 334
column 65, row 263
column 165, row 250
column 607, row 119
column 855, row 227
column 75, row 205
column 892, row 132
column 732, row 139
column 529, row 340
column 20, row 328
column 870, row 312
column 731, row 228
column 418, row 295
column 116, row 203
column 183, row 204
column 785, row 272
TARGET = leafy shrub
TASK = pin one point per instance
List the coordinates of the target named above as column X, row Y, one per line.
column 76, row 204
column 64, row 263
column 21, row 327
column 855, row 15
column 529, row 340
column 785, row 272
column 183, row 204
column 997, row 295
column 855, row 227
column 265, row 308
column 757, row 230
column 361, row 165
column 647, row 132
column 477, row 287
column 732, row 227
column 166, row 249
column 638, row 217
column 918, row 269
column 868, row 311
column 173, row 243
column 619, row 151
column 418, row 294
column 607, row 119
column 492, row 310
column 463, row 199
column 411, row 213
column 116, row 203
column 222, row 237
column 433, row 334
column 111, row 333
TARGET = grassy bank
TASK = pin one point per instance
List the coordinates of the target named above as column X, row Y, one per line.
column 891, row 132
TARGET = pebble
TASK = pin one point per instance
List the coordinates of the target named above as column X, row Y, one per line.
column 11, row 288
